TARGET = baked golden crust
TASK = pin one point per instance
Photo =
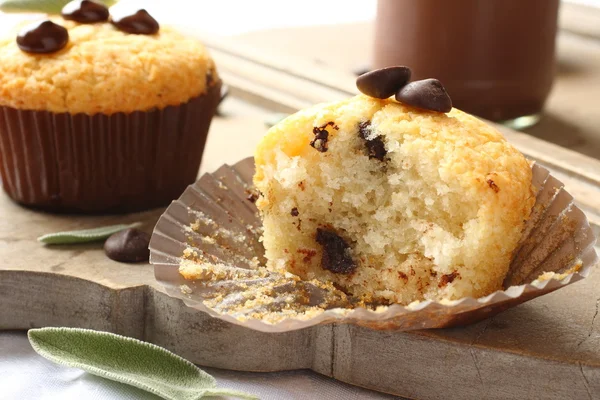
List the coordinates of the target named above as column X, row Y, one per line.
column 438, row 218
column 104, row 70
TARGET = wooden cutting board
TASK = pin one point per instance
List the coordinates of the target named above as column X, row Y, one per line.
column 548, row 348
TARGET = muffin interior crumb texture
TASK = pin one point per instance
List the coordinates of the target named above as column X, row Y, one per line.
column 390, row 203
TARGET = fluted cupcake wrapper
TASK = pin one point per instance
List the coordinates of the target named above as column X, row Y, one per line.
column 211, row 233
column 103, row 163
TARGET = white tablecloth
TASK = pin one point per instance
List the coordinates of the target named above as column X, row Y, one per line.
column 24, row 375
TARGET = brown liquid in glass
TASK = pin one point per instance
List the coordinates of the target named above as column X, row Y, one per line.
column 495, row 57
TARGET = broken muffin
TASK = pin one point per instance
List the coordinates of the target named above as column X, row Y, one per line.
column 391, row 203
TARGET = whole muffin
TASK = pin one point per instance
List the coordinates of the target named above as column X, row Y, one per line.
column 102, row 116
column 390, row 202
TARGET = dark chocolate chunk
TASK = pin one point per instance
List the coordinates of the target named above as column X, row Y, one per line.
column 42, row 37
column 336, row 255
column 139, row 22
column 252, row 197
column 321, row 137
column 320, row 140
column 85, row 11
column 428, row 94
column 383, row 83
column 295, row 212
column 493, row 185
column 375, row 146
column 129, row 245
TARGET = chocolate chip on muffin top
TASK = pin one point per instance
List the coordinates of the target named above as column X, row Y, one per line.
column 85, row 11
column 49, row 37
column 139, row 22
column 427, row 94
column 383, row 83
column 42, row 37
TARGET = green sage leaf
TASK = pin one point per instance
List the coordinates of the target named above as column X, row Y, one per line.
column 84, row 235
column 41, row 6
column 126, row 360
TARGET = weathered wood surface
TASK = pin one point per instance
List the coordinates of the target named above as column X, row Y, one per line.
column 547, row 348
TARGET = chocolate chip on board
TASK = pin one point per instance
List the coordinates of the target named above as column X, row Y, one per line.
column 85, row 11
column 375, row 146
column 139, row 22
column 336, row 257
column 383, row 83
column 42, row 37
column 428, row 94
column 129, row 245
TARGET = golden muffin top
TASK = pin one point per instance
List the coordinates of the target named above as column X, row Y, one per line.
column 104, row 70
column 465, row 149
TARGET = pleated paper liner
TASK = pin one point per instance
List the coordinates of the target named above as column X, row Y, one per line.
column 120, row 162
column 211, row 234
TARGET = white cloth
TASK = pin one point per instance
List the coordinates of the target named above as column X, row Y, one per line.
column 24, row 375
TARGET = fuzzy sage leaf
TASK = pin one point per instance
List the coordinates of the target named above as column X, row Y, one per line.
column 84, row 235
column 126, row 360
column 41, row 6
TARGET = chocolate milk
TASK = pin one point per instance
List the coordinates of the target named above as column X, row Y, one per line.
column 495, row 57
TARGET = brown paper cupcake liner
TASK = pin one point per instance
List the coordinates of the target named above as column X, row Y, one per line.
column 103, row 163
column 211, row 235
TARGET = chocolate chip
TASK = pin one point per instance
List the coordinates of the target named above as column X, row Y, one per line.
column 383, row 83
column 375, row 146
column 85, row 11
column 252, row 196
column 139, row 22
column 428, row 94
column 320, row 140
column 493, row 185
column 42, row 37
column 295, row 212
column 321, row 137
column 448, row 278
column 129, row 245
column 336, row 255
